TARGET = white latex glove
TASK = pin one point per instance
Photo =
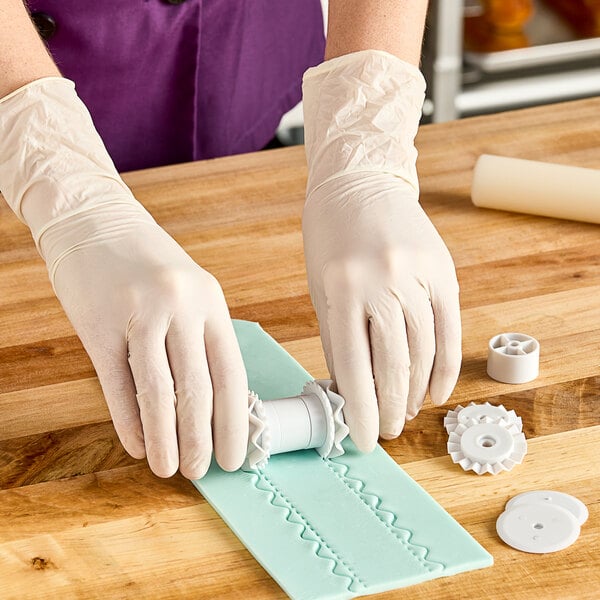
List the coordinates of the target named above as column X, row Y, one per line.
column 381, row 279
column 155, row 324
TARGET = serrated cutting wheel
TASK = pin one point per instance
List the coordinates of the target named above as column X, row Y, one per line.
column 259, row 441
column 475, row 413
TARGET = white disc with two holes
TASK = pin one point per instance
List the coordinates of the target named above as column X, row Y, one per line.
column 575, row 506
column 538, row 528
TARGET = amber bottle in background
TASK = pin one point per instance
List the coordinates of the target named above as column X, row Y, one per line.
column 497, row 25
column 582, row 15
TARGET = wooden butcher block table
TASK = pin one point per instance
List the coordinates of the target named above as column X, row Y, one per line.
column 79, row 518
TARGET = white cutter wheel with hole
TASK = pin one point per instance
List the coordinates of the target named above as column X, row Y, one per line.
column 474, row 413
column 488, row 446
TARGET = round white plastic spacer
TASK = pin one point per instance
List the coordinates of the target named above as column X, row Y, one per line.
column 574, row 505
column 538, row 528
column 318, row 420
column 513, row 358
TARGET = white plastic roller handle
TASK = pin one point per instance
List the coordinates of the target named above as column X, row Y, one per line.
column 296, row 423
column 313, row 419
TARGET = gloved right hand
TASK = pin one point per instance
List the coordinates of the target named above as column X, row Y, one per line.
column 381, row 279
column 154, row 323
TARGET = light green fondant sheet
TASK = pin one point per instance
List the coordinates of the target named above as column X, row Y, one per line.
column 333, row 528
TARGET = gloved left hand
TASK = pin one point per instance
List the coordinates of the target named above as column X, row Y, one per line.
column 154, row 323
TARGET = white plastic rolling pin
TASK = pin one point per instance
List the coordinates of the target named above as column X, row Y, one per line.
column 313, row 419
column 536, row 188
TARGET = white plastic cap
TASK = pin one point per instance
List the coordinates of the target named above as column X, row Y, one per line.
column 513, row 358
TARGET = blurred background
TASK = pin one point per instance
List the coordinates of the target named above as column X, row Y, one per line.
column 485, row 56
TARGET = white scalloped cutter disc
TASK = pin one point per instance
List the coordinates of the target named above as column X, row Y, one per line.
column 538, row 528
column 333, row 405
column 259, row 437
column 513, row 358
column 476, row 413
column 489, row 447
column 575, row 506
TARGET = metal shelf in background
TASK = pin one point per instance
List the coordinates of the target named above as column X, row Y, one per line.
column 554, row 67
column 528, row 91
column 535, row 56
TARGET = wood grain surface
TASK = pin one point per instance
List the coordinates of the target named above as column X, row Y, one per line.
column 79, row 518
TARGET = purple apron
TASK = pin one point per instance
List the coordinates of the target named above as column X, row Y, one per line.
column 169, row 82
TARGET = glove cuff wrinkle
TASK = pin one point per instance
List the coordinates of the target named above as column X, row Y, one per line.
column 89, row 227
column 361, row 113
column 53, row 163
